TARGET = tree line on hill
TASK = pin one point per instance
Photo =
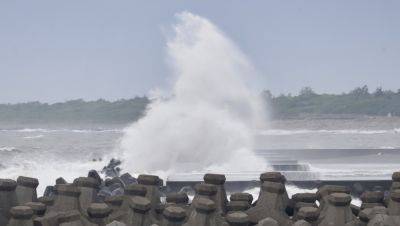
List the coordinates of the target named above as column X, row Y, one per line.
column 359, row 101
column 75, row 111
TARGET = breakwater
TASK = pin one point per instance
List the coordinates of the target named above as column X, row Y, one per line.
column 144, row 201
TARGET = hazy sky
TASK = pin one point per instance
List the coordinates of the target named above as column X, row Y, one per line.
column 54, row 50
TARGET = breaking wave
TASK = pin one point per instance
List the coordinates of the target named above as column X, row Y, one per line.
column 207, row 121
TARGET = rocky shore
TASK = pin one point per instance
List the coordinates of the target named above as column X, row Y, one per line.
column 128, row 201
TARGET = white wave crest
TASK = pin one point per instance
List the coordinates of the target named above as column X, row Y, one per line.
column 34, row 137
column 282, row 132
column 42, row 130
column 8, row 149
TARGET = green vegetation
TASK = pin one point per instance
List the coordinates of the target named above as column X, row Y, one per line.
column 75, row 111
column 357, row 102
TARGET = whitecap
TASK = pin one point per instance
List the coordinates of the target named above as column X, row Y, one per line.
column 34, row 137
column 42, row 130
column 8, row 149
column 283, row 132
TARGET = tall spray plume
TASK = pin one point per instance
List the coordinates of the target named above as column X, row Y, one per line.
column 207, row 122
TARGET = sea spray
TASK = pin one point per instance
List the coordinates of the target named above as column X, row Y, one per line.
column 47, row 169
column 207, row 122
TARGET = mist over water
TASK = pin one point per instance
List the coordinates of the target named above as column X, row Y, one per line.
column 207, row 122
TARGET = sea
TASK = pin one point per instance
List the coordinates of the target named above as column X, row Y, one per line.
column 345, row 148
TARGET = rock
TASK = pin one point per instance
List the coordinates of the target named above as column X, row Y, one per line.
column 372, row 197
column 268, row 222
column 355, row 209
column 70, row 218
column 301, row 223
column 271, row 203
column 61, row 180
column 89, row 188
column 234, row 206
column 115, row 203
column 8, row 199
column 174, row 216
column 26, row 189
column 358, row 189
column 103, row 193
column 116, row 181
column 394, row 203
column 112, row 169
column 337, row 211
column 21, row 216
column 242, row 197
column 207, row 191
column 396, row 177
column 177, row 198
column 66, row 198
column 118, row 191
column 218, row 180
column 305, row 197
column 309, row 214
column 95, row 175
column 98, row 213
column 135, row 190
column 48, row 201
column 237, row 219
column 38, row 208
column 273, row 177
column 152, row 185
column 49, row 191
column 300, row 205
column 116, row 223
column 128, row 179
column 140, row 212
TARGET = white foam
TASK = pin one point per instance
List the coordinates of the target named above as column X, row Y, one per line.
column 34, row 137
column 387, row 147
column 207, row 122
column 291, row 190
column 42, row 130
column 368, row 171
column 7, row 149
column 48, row 170
column 282, row 132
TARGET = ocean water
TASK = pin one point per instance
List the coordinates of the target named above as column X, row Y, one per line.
column 369, row 147
column 48, row 152
column 198, row 126
column 351, row 133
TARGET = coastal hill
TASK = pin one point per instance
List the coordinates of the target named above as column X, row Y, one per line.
column 356, row 102
column 75, row 111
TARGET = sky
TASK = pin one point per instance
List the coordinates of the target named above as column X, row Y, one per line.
column 53, row 50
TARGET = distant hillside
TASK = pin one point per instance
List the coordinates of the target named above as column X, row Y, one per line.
column 357, row 102
column 75, row 111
